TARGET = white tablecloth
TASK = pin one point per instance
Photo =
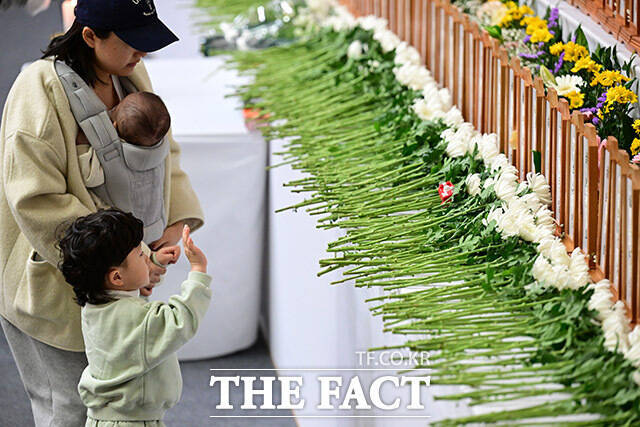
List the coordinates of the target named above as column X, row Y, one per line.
column 226, row 165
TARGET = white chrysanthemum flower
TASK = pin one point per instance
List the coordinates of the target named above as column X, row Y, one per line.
column 506, row 186
column 355, row 50
column 498, row 162
column 456, row 147
column 567, row 84
column 320, row 8
column 372, row 23
column 508, row 224
column 579, row 270
column 445, row 99
column 561, row 278
column 453, row 118
column 494, row 215
column 539, row 185
column 636, row 377
column 555, row 250
column 616, row 329
column 413, row 76
column 473, row 184
column 601, row 300
column 633, row 353
column 428, row 109
column 542, row 271
column 488, row 147
column 407, row 54
column 529, row 199
column 388, row 40
column 488, row 182
column 526, row 227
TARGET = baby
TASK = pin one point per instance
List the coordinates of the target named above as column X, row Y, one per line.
column 133, row 374
column 141, row 118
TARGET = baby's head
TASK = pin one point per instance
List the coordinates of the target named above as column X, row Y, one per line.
column 102, row 251
column 141, row 118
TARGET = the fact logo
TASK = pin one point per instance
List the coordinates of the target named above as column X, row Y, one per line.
column 335, row 392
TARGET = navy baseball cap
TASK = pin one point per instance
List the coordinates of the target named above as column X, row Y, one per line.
column 134, row 21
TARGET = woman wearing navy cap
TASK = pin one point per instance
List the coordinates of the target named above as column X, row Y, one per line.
column 42, row 188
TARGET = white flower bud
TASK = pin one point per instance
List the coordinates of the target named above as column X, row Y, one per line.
column 473, row 184
column 355, row 50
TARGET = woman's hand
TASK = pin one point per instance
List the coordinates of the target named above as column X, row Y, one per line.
column 170, row 237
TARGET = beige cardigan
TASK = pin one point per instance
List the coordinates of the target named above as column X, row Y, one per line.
column 42, row 188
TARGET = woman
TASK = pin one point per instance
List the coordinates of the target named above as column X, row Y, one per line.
column 43, row 188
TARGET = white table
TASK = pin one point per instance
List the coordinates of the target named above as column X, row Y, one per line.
column 226, row 165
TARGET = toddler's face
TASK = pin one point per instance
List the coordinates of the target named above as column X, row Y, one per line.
column 134, row 271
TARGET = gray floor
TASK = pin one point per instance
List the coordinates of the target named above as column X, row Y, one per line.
column 21, row 39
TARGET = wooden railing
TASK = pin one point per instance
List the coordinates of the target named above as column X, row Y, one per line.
column 618, row 17
column 595, row 190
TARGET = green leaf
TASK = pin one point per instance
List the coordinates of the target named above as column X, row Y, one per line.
column 494, row 31
column 581, row 39
column 547, row 77
column 537, row 161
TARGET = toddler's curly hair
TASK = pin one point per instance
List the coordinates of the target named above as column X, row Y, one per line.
column 93, row 244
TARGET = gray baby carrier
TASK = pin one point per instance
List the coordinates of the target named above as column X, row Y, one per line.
column 133, row 175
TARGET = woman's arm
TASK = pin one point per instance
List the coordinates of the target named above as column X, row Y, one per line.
column 36, row 189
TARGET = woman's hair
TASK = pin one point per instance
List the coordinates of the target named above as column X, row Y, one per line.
column 93, row 244
column 71, row 48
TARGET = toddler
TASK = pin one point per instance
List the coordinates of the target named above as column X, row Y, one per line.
column 141, row 118
column 133, row 375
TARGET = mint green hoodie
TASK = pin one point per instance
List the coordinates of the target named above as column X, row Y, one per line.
column 131, row 344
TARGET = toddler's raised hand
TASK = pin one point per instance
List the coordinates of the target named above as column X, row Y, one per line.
column 168, row 255
column 194, row 254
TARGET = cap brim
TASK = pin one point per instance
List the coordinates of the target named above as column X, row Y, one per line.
column 149, row 38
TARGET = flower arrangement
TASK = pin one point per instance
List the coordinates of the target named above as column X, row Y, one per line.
column 594, row 83
column 434, row 216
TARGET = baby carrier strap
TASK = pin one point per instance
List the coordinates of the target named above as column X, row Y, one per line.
column 134, row 176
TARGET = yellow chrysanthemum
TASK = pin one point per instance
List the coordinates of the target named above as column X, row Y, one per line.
column 573, row 52
column 541, row 35
column 636, row 126
column 576, row 99
column 557, row 48
column 608, row 78
column 620, row 95
column 514, row 13
column 635, row 146
column 586, row 63
column 532, row 24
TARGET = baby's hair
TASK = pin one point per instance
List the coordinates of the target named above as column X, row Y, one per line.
column 93, row 244
column 142, row 118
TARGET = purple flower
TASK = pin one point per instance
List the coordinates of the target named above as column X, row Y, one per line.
column 595, row 120
column 536, row 55
column 553, row 18
column 559, row 63
column 526, row 39
column 601, row 100
column 553, row 33
column 589, row 110
column 573, row 38
column 540, row 45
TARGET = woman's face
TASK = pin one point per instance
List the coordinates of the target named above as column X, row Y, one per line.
column 113, row 56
